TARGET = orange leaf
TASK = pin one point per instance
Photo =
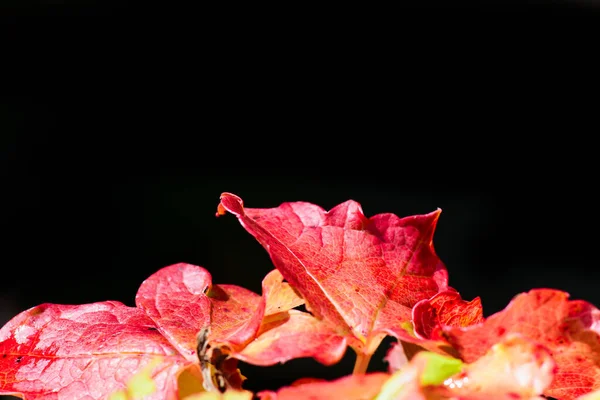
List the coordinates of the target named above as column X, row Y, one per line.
column 516, row 368
column 353, row 387
column 569, row 329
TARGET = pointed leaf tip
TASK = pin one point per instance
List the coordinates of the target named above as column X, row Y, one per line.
column 361, row 275
column 230, row 202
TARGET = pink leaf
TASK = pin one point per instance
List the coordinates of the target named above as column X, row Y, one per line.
column 182, row 301
column 64, row 351
column 362, row 275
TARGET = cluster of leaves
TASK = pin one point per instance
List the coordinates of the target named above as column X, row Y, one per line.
column 359, row 278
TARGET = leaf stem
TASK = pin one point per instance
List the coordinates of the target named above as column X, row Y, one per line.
column 362, row 363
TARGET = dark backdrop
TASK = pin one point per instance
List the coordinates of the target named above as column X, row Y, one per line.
column 121, row 126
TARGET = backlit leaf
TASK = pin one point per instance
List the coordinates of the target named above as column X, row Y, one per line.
column 438, row 368
column 56, row 351
column 444, row 309
column 362, row 275
column 515, row 368
column 296, row 334
column 256, row 329
column 140, row 384
column 569, row 329
column 182, row 301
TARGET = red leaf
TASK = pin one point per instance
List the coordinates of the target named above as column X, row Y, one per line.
column 174, row 299
column 63, row 351
column 182, row 301
column 362, row 275
column 430, row 316
column 60, row 349
column 444, row 309
column 353, row 387
column 569, row 329
column 258, row 330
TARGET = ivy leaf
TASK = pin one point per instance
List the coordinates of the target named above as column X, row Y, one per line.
column 361, row 275
column 570, row 329
column 260, row 330
column 443, row 310
column 181, row 300
column 109, row 350
column 430, row 316
column 56, row 351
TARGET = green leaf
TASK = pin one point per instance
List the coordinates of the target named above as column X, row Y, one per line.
column 439, row 368
column 430, row 369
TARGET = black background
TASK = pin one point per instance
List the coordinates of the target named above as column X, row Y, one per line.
column 121, row 125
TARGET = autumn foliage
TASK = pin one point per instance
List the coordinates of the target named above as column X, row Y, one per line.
column 359, row 278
